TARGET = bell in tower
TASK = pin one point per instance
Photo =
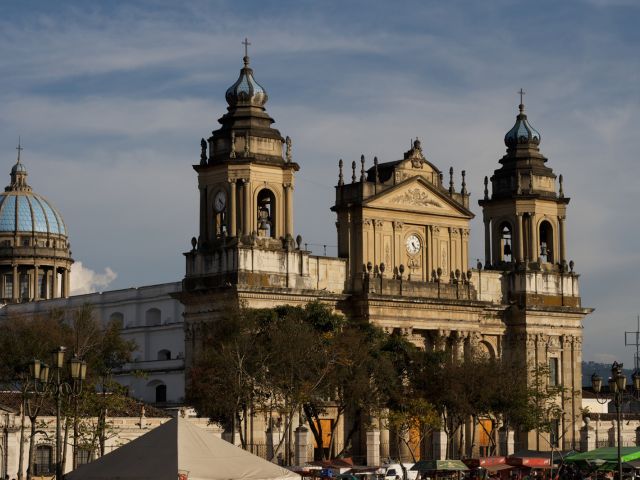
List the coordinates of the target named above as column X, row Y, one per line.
column 246, row 178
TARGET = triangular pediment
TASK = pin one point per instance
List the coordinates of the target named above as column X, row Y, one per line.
column 416, row 194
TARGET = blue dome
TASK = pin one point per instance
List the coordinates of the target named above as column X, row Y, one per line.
column 29, row 212
column 18, row 167
column 246, row 91
column 522, row 133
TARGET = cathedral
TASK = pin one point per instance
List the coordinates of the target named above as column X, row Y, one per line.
column 403, row 262
column 403, row 250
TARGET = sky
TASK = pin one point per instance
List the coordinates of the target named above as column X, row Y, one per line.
column 111, row 99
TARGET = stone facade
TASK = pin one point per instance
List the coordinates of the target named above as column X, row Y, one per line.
column 403, row 259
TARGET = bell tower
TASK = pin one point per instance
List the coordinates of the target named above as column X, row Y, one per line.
column 525, row 213
column 524, row 217
column 246, row 172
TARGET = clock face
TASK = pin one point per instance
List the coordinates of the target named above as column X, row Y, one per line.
column 220, row 201
column 413, row 244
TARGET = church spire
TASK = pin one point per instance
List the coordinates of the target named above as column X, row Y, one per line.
column 522, row 133
column 246, row 90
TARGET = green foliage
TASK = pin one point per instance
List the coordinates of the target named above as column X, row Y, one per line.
column 289, row 359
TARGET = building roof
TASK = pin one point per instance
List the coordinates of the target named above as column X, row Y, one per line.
column 23, row 210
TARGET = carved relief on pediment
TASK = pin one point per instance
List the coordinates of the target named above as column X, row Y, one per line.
column 418, row 197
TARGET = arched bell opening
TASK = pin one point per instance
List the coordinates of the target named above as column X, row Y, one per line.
column 545, row 235
column 506, row 242
column 266, row 213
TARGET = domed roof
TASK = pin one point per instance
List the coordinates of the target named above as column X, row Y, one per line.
column 246, row 91
column 29, row 212
column 522, row 133
column 22, row 210
column 18, row 167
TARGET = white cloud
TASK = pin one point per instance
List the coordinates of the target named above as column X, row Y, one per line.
column 85, row 280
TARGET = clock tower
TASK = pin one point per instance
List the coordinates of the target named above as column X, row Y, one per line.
column 246, row 173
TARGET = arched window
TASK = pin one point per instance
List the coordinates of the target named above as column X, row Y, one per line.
column 546, row 242
column 164, row 355
column 117, row 317
column 506, row 242
column 43, row 461
column 266, row 213
column 161, row 393
column 152, row 317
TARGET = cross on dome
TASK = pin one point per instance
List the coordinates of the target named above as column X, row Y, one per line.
column 19, row 148
column 246, row 44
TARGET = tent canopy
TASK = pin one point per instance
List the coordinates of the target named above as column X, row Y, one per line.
column 179, row 446
column 439, row 466
column 605, row 454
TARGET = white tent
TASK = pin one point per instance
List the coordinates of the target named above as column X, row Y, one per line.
column 180, row 447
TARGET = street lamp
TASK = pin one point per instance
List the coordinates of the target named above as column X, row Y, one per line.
column 617, row 388
column 56, row 385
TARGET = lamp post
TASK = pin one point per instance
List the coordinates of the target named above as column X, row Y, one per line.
column 617, row 388
column 55, row 384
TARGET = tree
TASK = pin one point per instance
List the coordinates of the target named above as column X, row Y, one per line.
column 24, row 338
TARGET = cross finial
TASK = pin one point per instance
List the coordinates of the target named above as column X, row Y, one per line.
column 19, row 148
column 246, row 44
column 521, row 92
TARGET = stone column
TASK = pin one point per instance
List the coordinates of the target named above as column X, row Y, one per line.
column 588, row 437
column 55, row 282
column 373, row 448
column 533, row 238
column 36, row 290
column 487, row 241
column 247, row 208
column 439, row 445
column 561, row 219
column 288, row 205
column 203, row 214
column 45, row 283
column 233, row 212
column 66, row 283
column 520, row 233
column 384, row 443
column 506, row 439
column 302, row 445
column 16, row 283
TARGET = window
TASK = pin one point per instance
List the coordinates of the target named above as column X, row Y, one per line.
column 8, row 286
column 164, row 355
column 42, row 285
column 546, row 242
column 554, row 433
column 152, row 317
column 506, row 249
column 161, row 393
column 554, row 379
column 117, row 317
column 266, row 213
column 83, row 455
column 24, row 285
column 43, row 460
